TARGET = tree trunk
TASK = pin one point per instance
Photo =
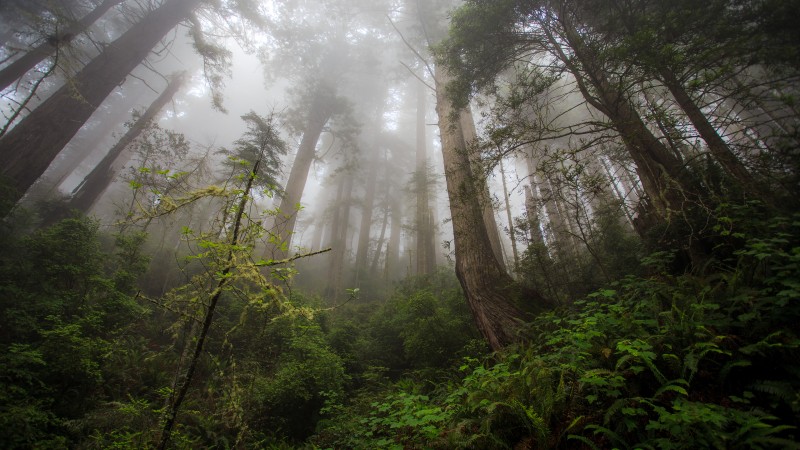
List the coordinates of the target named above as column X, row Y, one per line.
column 716, row 145
column 662, row 174
column 560, row 238
column 82, row 146
column 392, row 263
column 482, row 278
column 182, row 387
column 615, row 195
column 27, row 150
column 285, row 222
column 467, row 125
column 29, row 60
column 532, row 209
column 379, row 246
column 341, row 223
column 316, row 238
column 426, row 256
column 511, row 229
column 90, row 189
column 366, row 222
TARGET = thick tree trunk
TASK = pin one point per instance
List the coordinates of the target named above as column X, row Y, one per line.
column 482, row 278
column 285, row 222
column 467, row 124
column 87, row 193
column 29, row 60
column 27, row 150
column 81, row 147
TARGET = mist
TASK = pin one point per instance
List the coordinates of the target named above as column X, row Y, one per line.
column 397, row 224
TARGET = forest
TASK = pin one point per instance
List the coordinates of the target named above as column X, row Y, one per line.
column 400, row 224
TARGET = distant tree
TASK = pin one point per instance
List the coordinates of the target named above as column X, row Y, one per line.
column 89, row 190
column 260, row 142
column 340, row 227
column 324, row 103
column 426, row 246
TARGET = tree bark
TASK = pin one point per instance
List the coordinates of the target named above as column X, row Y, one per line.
column 469, row 132
column 29, row 60
column 27, row 150
column 482, row 278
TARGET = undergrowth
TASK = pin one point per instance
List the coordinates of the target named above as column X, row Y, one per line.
column 662, row 361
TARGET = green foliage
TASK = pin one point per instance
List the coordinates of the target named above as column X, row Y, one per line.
column 663, row 361
column 62, row 314
column 424, row 325
column 615, row 251
column 261, row 142
column 286, row 395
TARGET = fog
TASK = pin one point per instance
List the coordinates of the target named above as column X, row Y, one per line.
column 370, row 55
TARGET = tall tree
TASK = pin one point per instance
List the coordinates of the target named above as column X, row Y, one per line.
column 324, row 104
column 425, row 248
column 27, row 150
column 339, row 230
column 362, row 252
column 392, row 263
column 470, row 135
column 678, row 57
column 486, row 39
column 89, row 190
column 512, row 232
column 485, row 283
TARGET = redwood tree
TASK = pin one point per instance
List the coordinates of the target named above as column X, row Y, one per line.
column 27, row 150
column 485, row 283
column 90, row 189
column 29, row 60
